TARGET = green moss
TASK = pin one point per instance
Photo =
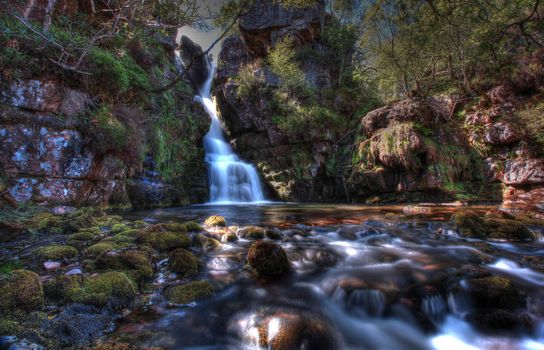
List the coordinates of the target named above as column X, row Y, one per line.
column 135, row 264
column 215, row 220
column 189, row 292
column 267, row 259
column 162, row 239
column 9, row 327
column 511, row 230
column 118, row 228
column 21, row 289
column 99, row 248
column 45, row 222
column 472, row 225
column 183, row 263
column 128, row 236
column 253, row 232
column 469, row 224
column 56, row 252
column 84, row 237
column 192, row 226
column 206, row 243
column 59, row 287
column 110, row 287
column 495, row 292
column 82, row 218
column 229, row 237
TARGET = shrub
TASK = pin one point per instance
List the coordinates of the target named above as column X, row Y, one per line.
column 281, row 60
column 533, row 118
column 249, row 83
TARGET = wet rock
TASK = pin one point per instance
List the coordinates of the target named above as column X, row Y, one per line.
column 251, row 232
column 495, row 319
column 189, row 292
column 353, row 232
column 472, row 225
column 79, row 325
column 22, row 289
column 183, row 263
column 267, row 259
column 286, row 330
column 495, row 293
column 273, row 233
column 215, row 220
column 229, row 237
column 164, row 238
column 192, row 226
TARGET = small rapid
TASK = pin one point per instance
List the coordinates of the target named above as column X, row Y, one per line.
column 231, row 180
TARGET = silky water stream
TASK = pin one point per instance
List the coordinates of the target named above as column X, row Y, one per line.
column 361, row 278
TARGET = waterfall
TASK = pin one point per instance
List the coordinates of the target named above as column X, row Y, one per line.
column 231, row 180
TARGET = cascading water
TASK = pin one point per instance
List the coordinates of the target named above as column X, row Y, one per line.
column 231, row 179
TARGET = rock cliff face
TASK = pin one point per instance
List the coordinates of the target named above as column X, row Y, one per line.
column 47, row 158
column 293, row 166
column 419, row 149
column 62, row 143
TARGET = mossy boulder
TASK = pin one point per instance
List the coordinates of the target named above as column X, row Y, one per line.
column 45, row 222
column 99, row 248
column 127, row 236
column 164, row 237
column 110, row 288
column 189, row 292
column 56, row 252
column 82, row 218
column 206, row 243
column 9, row 327
column 471, row 225
column 267, row 259
column 192, row 226
column 183, row 263
column 135, row 264
column 59, row 287
column 84, row 237
column 273, row 233
column 495, row 293
column 9, row 230
column 21, row 289
column 215, row 220
column 510, row 230
column 252, row 232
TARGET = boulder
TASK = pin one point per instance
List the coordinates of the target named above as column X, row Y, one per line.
column 215, row 220
column 267, row 259
column 21, row 290
column 164, row 237
column 189, row 292
column 183, row 263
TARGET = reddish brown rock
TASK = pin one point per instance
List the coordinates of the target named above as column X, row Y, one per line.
column 524, row 172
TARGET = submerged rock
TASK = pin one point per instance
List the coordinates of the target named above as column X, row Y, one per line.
column 189, row 292
column 471, row 225
column 252, row 232
column 495, row 293
column 267, row 259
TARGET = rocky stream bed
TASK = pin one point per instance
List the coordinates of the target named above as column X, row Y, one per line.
column 274, row 276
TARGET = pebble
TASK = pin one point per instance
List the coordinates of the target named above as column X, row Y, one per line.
column 51, row 265
column 74, row 272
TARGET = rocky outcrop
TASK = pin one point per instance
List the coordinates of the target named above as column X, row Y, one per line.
column 48, row 157
column 294, row 167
